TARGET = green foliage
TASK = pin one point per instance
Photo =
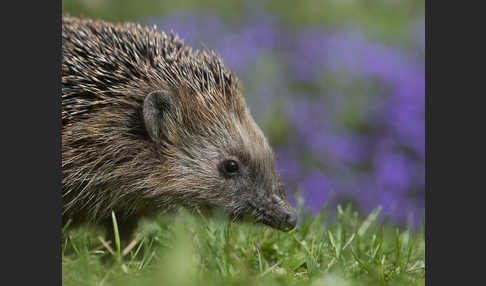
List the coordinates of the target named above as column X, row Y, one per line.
column 190, row 249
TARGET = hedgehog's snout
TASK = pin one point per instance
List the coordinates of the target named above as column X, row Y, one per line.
column 286, row 218
column 290, row 219
column 282, row 216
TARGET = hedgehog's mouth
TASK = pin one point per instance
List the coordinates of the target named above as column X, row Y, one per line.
column 284, row 220
column 277, row 216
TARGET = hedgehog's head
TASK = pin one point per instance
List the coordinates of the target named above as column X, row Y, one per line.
column 216, row 155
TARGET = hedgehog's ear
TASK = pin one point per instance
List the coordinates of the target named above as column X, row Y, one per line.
column 158, row 114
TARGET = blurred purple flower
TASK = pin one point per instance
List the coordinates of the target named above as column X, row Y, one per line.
column 394, row 171
column 288, row 164
column 316, row 188
column 402, row 114
column 350, row 149
column 308, row 116
column 309, row 55
column 242, row 47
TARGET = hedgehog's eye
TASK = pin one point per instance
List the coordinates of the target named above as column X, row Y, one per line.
column 230, row 167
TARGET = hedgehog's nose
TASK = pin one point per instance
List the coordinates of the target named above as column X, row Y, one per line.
column 290, row 219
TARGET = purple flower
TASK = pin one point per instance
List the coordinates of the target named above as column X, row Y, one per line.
column 349, row 148
column 308, row 116
column 242, row 47
column 288, row 164
column 316, row 188
column 394, row 171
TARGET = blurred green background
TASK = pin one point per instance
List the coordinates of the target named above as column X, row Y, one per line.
column 384, row 19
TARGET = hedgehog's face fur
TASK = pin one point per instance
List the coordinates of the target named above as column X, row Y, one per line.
column 219, row 161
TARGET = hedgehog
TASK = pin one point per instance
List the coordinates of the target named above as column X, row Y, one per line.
column 150, row 125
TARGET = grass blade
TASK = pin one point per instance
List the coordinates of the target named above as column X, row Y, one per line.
column 117, row 235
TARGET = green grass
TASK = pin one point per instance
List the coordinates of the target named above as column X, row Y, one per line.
column 189, row 249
